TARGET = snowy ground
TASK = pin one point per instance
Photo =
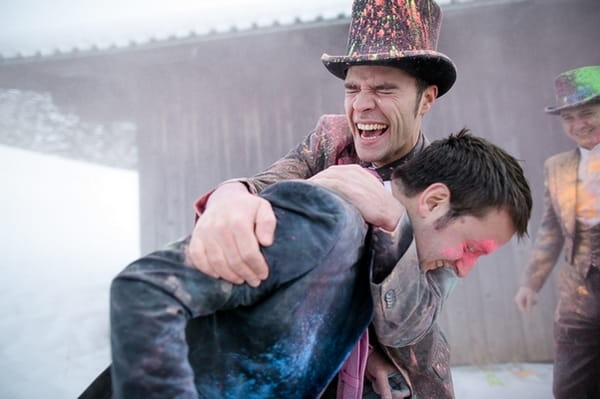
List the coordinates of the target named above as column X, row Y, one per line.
column 504, row 381
column 67, row 228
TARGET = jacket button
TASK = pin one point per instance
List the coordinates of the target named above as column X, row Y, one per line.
column 390, row 299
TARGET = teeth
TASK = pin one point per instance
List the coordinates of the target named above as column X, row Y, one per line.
column 370, row 126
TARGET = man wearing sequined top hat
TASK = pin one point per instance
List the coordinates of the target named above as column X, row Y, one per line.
column 392, row 75
column 330, row 274
column 571, row 223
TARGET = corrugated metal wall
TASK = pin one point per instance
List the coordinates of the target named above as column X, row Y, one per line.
column 218, row 108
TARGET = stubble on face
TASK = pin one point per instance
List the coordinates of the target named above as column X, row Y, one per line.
column 380, row 105
column 459, row 242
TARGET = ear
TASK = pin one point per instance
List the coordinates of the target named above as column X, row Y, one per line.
column 428, row 99
column 434, row 201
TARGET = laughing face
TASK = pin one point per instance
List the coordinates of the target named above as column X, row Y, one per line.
column 384, row 112
column 582, row 124
column 456, row 243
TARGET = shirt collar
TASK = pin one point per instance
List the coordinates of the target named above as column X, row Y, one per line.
column 385, row 171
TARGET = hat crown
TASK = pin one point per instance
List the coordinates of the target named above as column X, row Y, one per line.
column 393, row 26
column 577, row 85
column 396, row 33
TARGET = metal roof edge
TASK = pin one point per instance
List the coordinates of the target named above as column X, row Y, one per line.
column 213, row 33
column 190, row 37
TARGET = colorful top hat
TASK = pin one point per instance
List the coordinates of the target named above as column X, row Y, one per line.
column 399, row 33
column 576, row 87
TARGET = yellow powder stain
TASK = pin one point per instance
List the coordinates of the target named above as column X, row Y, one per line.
column 492, row 379
column 523, row 373
column 581, row 290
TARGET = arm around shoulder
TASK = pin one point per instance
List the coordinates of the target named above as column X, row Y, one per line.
column 226, row 239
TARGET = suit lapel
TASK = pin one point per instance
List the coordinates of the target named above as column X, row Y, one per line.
column 565, row 189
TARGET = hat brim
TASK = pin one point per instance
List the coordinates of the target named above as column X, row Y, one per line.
column 556, row 109
column 433, row 67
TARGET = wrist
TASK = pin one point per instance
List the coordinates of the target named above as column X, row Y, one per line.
column 394, row 217
column 229, row 188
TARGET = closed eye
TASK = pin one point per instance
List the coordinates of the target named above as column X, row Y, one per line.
column 386, row 88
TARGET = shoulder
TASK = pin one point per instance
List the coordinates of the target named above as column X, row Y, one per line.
column 561, row 159
column 334, row 124
column 333, row 130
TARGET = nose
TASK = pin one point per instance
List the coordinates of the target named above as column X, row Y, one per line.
column 579, row 123
column 363, row 101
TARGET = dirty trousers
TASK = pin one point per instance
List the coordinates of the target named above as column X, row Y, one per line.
column 577, row 335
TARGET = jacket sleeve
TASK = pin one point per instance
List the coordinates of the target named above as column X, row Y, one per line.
column 408, row 301
column 548, row 243
column 388, row 247
column 317, row 151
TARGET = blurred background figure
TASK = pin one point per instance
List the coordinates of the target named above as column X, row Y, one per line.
column 571, row 221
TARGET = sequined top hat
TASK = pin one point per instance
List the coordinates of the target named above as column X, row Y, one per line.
column 399, row 33
column 576, row 87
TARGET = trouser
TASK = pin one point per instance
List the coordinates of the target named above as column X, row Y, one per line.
column 577, row 335
column 176, row 332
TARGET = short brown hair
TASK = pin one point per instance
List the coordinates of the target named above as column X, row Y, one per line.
column 480, row 176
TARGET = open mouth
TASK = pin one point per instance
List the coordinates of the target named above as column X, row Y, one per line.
column 438, row 264
column 586, row 133
column 371, row 130
column 447, row 264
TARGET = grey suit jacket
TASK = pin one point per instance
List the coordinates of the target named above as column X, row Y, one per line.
column 407, row 305
column 557, row 229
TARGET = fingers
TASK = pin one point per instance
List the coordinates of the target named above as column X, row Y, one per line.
column 382, row 386
column 195, row 255
column 265, row 224
column 530, row 302
column 379, row 371
column 526, row 299
column 522, row 305
column 363, row 190
column 226, row 240
column 219, row 257
column 519, row 302
column 244, row 257
column 205, row 253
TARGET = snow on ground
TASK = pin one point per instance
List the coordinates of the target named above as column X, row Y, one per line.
column 503, row 381
column 66, row 229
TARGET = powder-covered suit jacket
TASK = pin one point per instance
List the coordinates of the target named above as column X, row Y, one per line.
column 405, row 318
column 557, row 229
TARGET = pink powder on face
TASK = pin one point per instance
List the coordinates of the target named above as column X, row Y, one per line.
column 465, row 259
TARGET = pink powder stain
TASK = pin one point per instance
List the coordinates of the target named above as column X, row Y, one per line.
column 596, row 135
column 466, row 254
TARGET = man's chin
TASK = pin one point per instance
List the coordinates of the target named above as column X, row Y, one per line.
column 439, row 265
column 368, row 155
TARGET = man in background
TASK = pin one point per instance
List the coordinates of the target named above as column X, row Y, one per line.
column 571, row 223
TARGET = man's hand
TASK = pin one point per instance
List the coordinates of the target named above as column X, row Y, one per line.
column 378, row 372
column 225, row 241
column 376, row 204
column 526, row 299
